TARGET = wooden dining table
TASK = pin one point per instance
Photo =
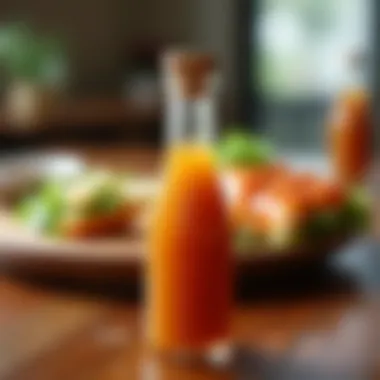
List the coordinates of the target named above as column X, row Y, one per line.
column 57, row 333
column 58, row 329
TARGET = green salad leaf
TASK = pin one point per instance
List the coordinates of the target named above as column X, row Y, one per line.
column 238, row 148
column 54, row 202
column 322, row 224
column 355, row 215
column 42, row 210
column 104, row 200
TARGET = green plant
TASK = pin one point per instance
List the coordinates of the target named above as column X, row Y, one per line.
column 31, row 57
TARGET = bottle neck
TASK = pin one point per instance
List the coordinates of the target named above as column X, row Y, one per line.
column 191, row 84
column 356, row 74
column 190, row 119
column 356, row 80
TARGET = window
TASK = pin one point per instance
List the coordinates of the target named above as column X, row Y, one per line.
column 298, row 58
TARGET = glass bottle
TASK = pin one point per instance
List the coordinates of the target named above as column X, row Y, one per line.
column 191, row 85
column 349, row 128
column 188, row 277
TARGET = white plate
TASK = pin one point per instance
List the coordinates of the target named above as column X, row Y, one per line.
column 20, row 249
column 17, row 171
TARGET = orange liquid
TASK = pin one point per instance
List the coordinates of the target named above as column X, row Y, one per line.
column 189, row 263
column 350, row 137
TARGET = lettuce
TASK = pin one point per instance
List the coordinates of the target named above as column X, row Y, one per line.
column 355, row 215
column 243, row 149
column 42, row 211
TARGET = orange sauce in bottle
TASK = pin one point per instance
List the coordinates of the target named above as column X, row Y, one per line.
column 189, row 287
column 350, row 136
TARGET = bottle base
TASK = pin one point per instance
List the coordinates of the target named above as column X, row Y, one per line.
column 219, row 355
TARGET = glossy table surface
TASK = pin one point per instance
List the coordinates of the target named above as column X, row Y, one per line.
column 60, row 330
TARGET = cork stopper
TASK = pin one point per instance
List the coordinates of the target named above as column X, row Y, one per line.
column 191, row 69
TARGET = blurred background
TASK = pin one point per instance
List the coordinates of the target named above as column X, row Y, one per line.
column 101, row 58
column 84, row 77
column 87, row 71
column 303, row 51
